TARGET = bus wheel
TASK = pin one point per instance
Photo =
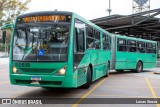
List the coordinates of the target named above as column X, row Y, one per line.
column 88, row 79
column 139, row 67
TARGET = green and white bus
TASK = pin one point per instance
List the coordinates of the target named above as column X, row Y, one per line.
column 62, row 49
column 58, row 49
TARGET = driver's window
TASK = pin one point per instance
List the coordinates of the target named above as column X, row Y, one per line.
column 79, row 40
column 79, row 35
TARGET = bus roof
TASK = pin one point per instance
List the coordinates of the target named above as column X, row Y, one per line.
column 45, row 12
column 132, row 38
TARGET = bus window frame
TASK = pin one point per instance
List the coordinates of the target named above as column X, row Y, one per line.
column 75, row 37
column 124, row 45
column 93, row 31
column 130, row 46
column 107, row 41
column 152, row 49
column 97, row 38
column 47, row 23
column 144, row 47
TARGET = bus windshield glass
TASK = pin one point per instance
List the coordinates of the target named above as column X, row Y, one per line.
column 41, row 42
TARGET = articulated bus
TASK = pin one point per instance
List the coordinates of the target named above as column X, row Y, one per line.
column 62, row 49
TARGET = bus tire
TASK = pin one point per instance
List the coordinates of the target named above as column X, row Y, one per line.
column 139, row 67
column 88, row 79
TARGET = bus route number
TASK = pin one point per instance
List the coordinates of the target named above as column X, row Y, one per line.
column 23, row 64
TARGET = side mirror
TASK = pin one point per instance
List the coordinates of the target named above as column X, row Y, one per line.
column 3, row 37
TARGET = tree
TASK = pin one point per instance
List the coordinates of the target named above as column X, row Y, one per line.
column 9, row 9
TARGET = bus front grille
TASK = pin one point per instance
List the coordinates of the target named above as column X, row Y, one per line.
column 37, row 71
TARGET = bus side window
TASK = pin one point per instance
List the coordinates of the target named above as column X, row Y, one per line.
column 154, row 48
column 97, row 43
column 141, row 47
column 121, row 45
column 89, row 37
column 149, row 47
column 106, row 42
column 131, row 46
column 79, row 34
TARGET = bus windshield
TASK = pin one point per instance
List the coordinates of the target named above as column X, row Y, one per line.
column 40, row 42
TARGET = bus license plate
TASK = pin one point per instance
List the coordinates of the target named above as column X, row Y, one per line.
column 37, row 78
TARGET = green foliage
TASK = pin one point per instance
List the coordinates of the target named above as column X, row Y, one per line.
column 2, row 47
column 9, row 9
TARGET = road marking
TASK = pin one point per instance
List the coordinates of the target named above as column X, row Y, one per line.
column 4, row 82
column 152, row 91
column 89, row 92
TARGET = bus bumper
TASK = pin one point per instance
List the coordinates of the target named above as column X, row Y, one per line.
column 44, row 81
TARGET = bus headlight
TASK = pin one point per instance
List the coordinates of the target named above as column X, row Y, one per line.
column 14, row 69
column 62, row 71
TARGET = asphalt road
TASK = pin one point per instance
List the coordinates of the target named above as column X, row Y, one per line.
column 117, row 85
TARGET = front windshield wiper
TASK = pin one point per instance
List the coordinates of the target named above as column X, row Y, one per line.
column 26, row 48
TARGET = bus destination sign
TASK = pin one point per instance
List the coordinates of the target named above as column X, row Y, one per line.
column 45, row 18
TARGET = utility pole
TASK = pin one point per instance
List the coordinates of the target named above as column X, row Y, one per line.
column 109, row 9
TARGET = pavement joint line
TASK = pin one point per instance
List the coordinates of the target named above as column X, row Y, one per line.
column 152, row 91
column 89, row 92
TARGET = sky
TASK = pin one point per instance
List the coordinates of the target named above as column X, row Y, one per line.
column 89, row 9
